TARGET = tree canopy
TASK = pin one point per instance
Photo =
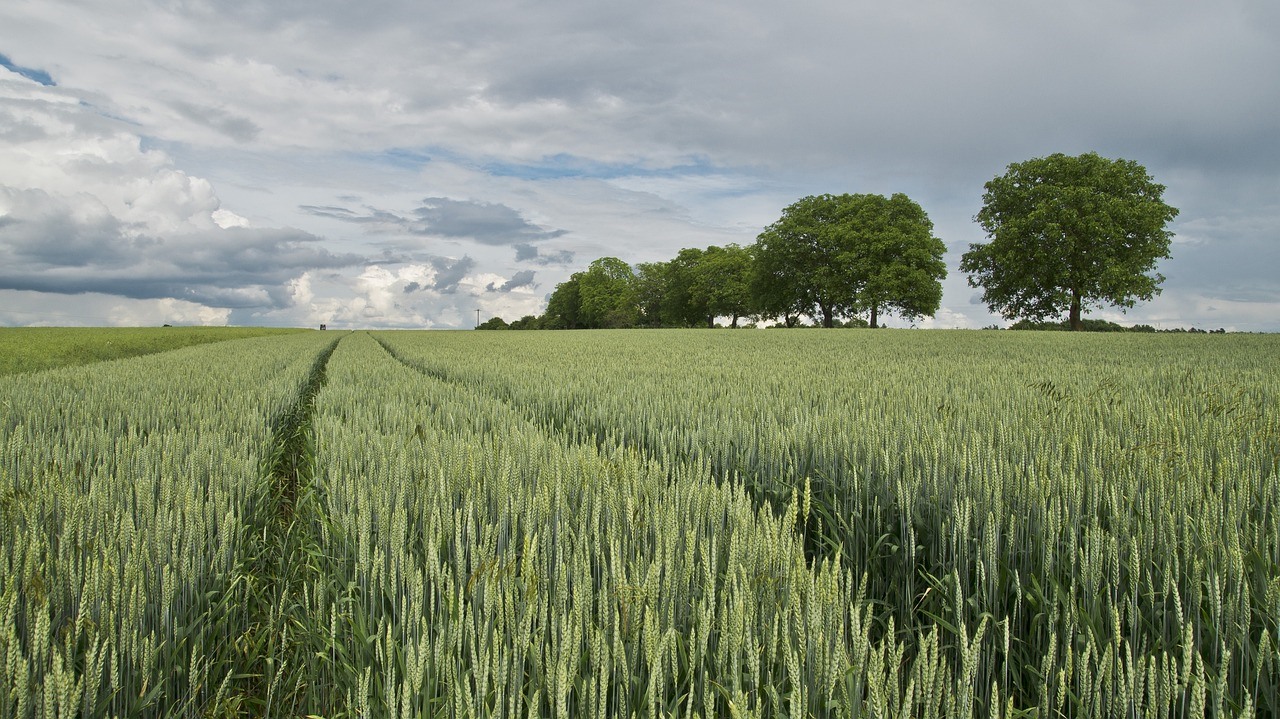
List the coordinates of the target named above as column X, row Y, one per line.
column 604, row 296
column 684, row 305
column 843, row 255
column 607, row 294
column 695, row 287
column 1069, row 233
column 720, row 284
column 799, row 271
column 896, row 262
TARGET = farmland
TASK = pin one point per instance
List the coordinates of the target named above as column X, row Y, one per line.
column 667, row 523
column 31, row 349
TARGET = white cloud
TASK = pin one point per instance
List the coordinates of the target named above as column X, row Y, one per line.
column 75, row 153
column 226, row 219
column 946, row 318
column 86, row 208
column 632, row 130
column 300, row 288
column 170, row 311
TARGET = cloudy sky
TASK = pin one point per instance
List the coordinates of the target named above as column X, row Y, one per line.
column 401, row 163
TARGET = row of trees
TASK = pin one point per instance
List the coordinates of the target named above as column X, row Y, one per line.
column 828, row 257
column 690, row 290
column 1065, row 234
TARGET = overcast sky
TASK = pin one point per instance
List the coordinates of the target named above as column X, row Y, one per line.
column 399, row 163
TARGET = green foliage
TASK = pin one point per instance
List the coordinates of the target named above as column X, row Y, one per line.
column 493, row 323
column 722, row 283
column 831, row 256
column 528, row 322
column 1087, row 325
column 651, row 291
column 607, row 294
column 800, row 269
column 895, row 258
column 685, row 298
column 602, row 297
column 696, row 287
column 828, row 257
column 1095, row 325
column 564, row 307
column 1067, row 234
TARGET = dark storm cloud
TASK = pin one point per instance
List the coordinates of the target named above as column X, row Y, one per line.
column 530, row 253
column 47, row 247
column 488, row 223
column 523, row 278
column 485, row 222
column 449, row 272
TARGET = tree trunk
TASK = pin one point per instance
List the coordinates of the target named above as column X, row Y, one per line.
column 734, row 325
column 711, row 321
column 1076, row 324
column 790, row 320
column 874, row 315
column 826, row 316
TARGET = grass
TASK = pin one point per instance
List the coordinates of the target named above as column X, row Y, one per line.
column 32, row 349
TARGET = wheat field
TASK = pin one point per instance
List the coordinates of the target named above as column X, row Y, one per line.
column 646, row 523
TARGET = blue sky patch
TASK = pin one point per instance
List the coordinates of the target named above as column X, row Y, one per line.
column 552, row 167
column 564, row 166
column 403, row 158
column 30, row 73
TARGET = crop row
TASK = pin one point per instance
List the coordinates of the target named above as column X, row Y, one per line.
column 487, row 567
column 129, row 494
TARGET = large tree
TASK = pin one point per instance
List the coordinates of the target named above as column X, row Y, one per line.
column 776, row 292
column 799, row 271
column 894, row 261
column 842, row 255
column 1069, row 233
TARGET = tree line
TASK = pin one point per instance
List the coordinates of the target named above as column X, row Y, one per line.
column 1065, row 234
column 835, row 258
